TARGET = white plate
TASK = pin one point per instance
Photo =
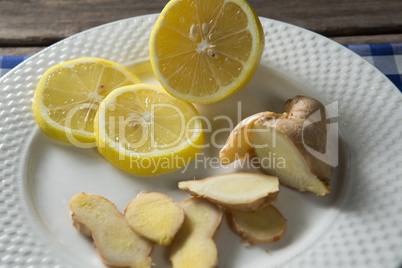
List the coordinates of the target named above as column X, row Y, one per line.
column 358, row 224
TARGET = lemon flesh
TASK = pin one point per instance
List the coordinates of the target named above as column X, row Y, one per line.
column 143, row 130
column 68, row 97
column 204, row 51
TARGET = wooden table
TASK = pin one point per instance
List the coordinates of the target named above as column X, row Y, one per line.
column 27, row 26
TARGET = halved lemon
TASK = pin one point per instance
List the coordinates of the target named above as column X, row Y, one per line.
column 202, row 51
column 143, row 130
column 68, row 96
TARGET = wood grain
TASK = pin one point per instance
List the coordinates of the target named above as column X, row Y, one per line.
column 33, row 23
column 368, row 39
column 337, row 18
column 43, row 22
column 9, row 51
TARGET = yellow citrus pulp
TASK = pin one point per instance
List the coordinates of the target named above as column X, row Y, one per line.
column 68, row 96
column 202, row 51
column 143, row 130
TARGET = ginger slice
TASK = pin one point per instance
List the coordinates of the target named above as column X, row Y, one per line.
column 193, row 245
column 116, row 242
column 245, row 191
column 263, row 226
column 155, row 216
column 238, row 145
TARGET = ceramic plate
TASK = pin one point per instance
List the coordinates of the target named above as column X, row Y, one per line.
column 358, row 224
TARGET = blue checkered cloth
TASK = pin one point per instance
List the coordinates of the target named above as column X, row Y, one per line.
column 9, row 62
column 385, row 57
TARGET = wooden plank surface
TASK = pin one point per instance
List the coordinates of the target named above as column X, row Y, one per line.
column 368, row 39
column 33, row 23
column 19, row 50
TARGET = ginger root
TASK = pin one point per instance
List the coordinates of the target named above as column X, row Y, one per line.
column 155, row 216
column 238, row 145
column 266, row 225
column 245, row 191
column 193, row 245
column 116, row 242
column 290, row 137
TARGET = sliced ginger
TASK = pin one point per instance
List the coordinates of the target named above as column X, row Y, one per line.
column 286, row 137
column 116, row 242
column 155, row 216
column 193, row 246
column 263, row 226
column 243, row 191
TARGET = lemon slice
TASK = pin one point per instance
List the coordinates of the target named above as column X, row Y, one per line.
column 203, row 51
column 68, row 96
column 143, row 130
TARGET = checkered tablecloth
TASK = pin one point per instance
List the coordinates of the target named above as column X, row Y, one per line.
column 9, row 62
column 385, row 57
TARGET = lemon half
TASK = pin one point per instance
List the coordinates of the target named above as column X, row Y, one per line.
column 202, row 51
